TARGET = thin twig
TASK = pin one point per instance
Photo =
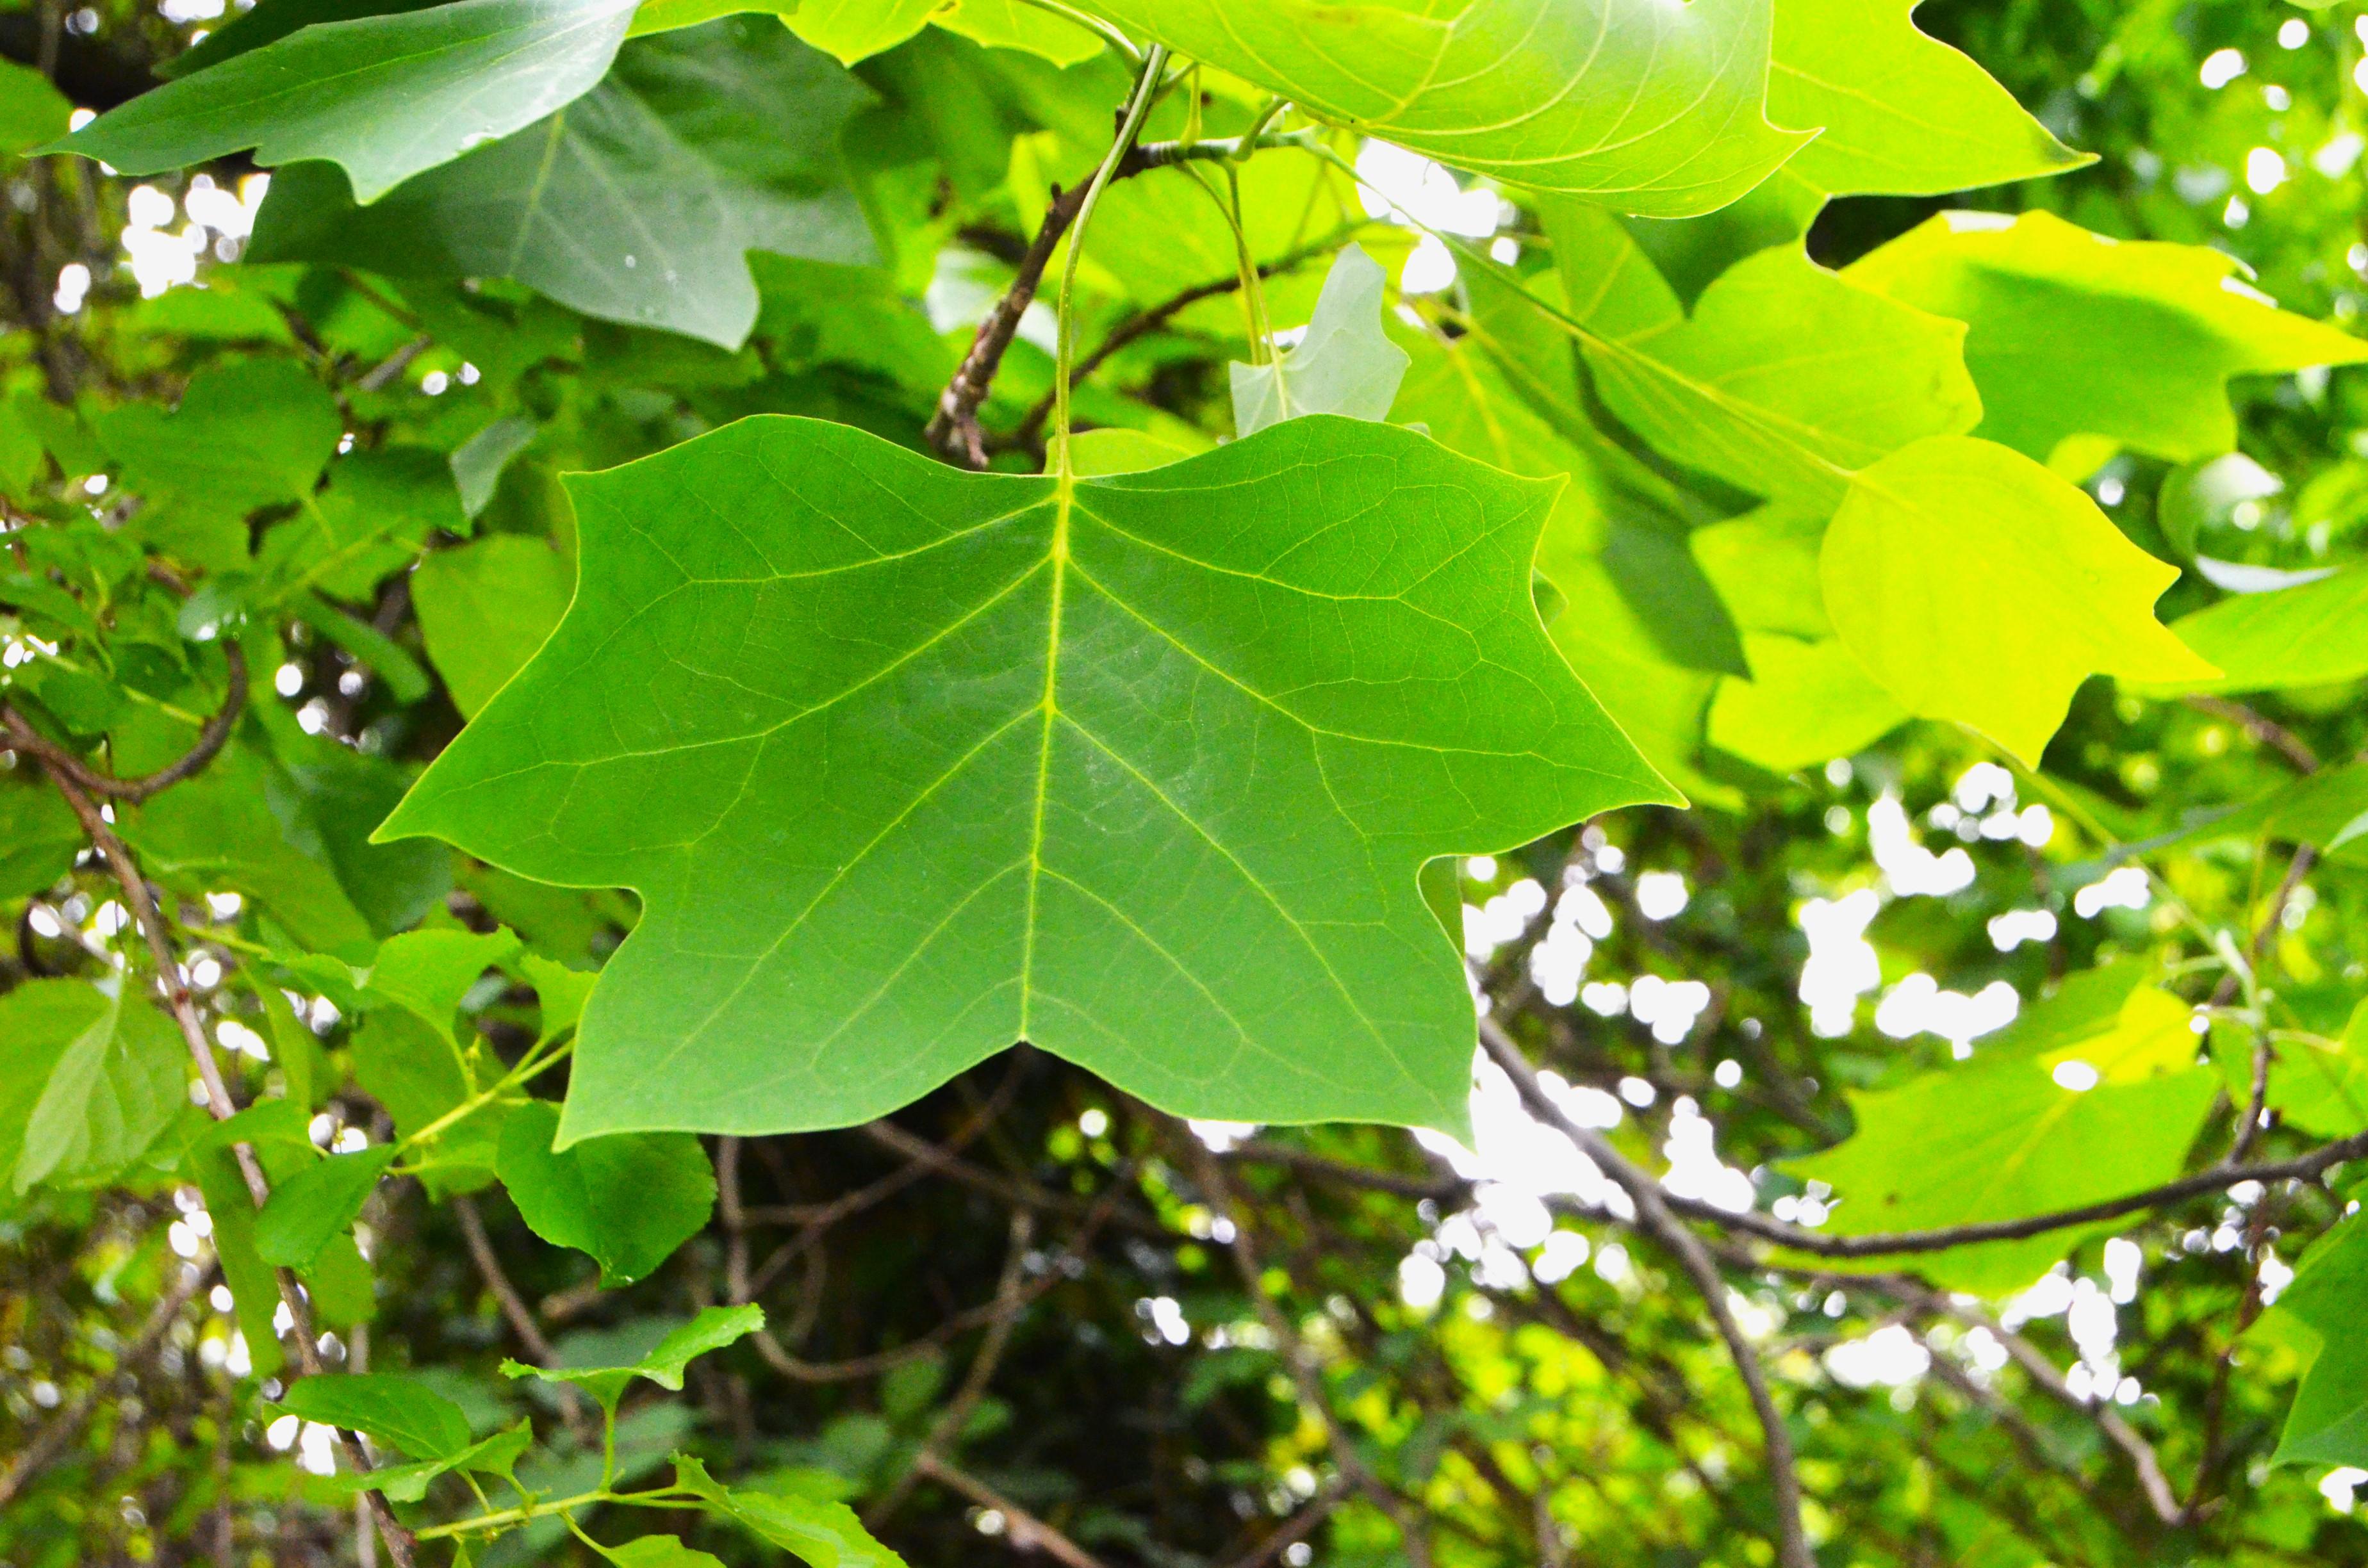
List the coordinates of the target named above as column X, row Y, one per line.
column 1219, row 1192
column 514, row 1309
column 210, row 738
column 1655, row 1219
column 2269, row 733
column 61, row 1428
column 2249, row 1125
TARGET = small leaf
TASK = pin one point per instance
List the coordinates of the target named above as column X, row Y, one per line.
column 253, row 1284
column 1015, row 24
column 38, row 837
column 857, row 30
column 497, row 1455
column 820, row 1533
column 1344, row 364
column 313, row 1207
column 384, row 95
column 2009, row 1134
column 478, row 462
column 712, row 1329
column 117, row 1085
column 427, row 974
column 484, row 608
column 628, row 1199
column 560, row 991
column 1804, row 704
column 637, row 203
column 31, row 110
column 1972, row 584
column 385, row 1405
column 658, row 1551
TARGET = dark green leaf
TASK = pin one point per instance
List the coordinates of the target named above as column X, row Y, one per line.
column 314, row 1205
column 385, row 1405
column 628, row 1199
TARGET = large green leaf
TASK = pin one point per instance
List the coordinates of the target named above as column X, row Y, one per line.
column 2316, row 634
column 1645, row 107
column 312, row 1207
column 1974, row 584
column 1901, row 113
column 104, row 1075
column 385, row 97
column 2072, row 333
column 1345, row 364
column 388, row 1406
column 2010, row 1134
column 908, row 763
column 627, row 1200
column 31, row 110
column 638, row 202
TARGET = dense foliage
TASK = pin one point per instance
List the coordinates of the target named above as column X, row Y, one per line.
column 762, row 761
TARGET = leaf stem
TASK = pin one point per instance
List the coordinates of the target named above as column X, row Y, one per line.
column 1146, row 87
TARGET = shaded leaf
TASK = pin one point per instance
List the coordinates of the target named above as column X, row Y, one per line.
column 313, row 1207
column 635, row 203
column 915, row 809
column 820, row 1533
column 387, row 1406
column 2328, row 1422
column 385, row 96
column 484, row 608
column 712, row 1329
column 121, row 1078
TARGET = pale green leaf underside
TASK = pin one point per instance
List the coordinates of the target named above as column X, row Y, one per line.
column 908, row 763
column 638, row 202
column 2316, row 634
column 1344, row 364
column 1643, row 106
column 385, row 97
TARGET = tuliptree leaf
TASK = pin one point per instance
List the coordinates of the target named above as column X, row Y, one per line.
column 246, row 435
column 388, row 1406
column 857, row 30
column 1900, row 113
column 1804, row 703
column 484, row 609
column 1344, row 364
column 121, row 1079
column 385, row 96
column 1785, row 378
column 627, row 1200
column 2093, row 1093
column 2316, row 634
column 1974, row 584
column 908, row 763
column 636, row 203
column 1015, row 24
column 2329, row 1421
column 1643, row 106
column 312, row 1207
column 2070, row 333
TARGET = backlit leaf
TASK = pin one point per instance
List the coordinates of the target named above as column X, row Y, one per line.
column 2007, row 1134
column 1974, row 584
column 908, row 763
column 2313, row 635
column 1643, row 106
column 2070, row 333
column 385, row 1405
column 120, row 1081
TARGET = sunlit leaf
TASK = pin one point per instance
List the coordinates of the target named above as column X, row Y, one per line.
column 1643, row 106
column 1804, row 704
column 2313, row 635
column 908, row 822
column 1972, row 584
column 1344, row 364
column 2070, row 333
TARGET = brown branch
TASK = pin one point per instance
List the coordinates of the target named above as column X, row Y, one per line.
column 1025, row 1532
column 953, row 430
column 1211, row 1178
column 514, row 1309
column 178, row 1002
column 2269, row 733
column 61, row 1428
column 2249, row 1125
column 210, row 738
column 1655, row 1219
